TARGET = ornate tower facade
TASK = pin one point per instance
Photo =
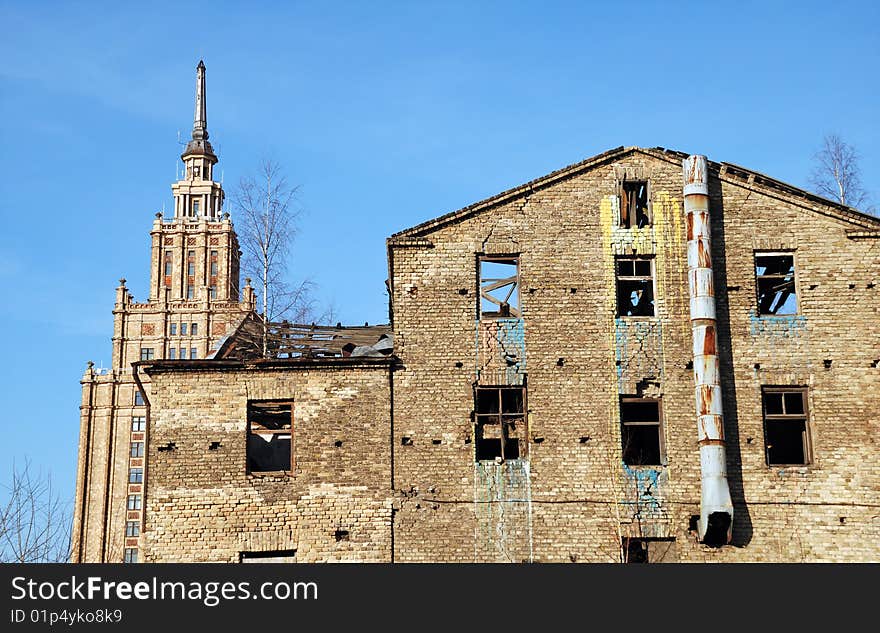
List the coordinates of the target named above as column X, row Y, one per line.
column 194, row 302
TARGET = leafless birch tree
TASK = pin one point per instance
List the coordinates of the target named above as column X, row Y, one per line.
column 266, row 219
column 836, row 174
column 35, row 521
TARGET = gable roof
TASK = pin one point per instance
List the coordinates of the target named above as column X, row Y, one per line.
column 727, row 172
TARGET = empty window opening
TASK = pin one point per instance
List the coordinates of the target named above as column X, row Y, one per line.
column 137, row 449
column 138, row 423
column 130, row 555
column 634, row 208
column 775, row 283
column 635, row 287
column 640, row 432
column 270, row 427
column 786, row 432
column 132, row 528
column 213, row 446
column 648, row 550
column 270, row 556
column 170, row 446
column 500, row 429
column 499, row 287
column 134, row 502
column 135, row 475
column 342, row 535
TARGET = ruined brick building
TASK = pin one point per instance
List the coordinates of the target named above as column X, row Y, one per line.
column 645, row 356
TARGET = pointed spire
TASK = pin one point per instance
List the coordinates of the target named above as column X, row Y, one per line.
column 199, row 143
column 200, row 124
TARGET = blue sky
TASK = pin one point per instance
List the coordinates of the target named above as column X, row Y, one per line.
column 386, row 114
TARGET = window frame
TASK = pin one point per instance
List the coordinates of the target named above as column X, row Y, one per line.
column 141, row 421
column 661, row 430
column 794, row 263
column 137, row 449
column 132, row 529
column 135, row 477
column 148, row 353
column 510, row 259
column 649, row 209
column 134, row 502
column 130, row 555
column 806, row 438
column 651, row 259
column 138, row 398
column 503, row 419
column 292, row 466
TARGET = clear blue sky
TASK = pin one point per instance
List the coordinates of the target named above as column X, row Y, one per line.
column 386, row 114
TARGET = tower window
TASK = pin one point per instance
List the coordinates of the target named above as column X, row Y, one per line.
column 138, row 398
column 134, row 502
column 135, row 475
column 174, row 329
column 146, row 353
column 138, row 422
column 182, row 353
column 137, row 449
column 169, row 267
column 131, row 555
column 183, row 329
column 172, row 353
column 193, row 353
column 190, row 291
column 132, row 529
column 194, row 329
column 213, row 291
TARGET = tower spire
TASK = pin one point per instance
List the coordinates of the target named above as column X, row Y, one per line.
column 200, row 124
column 199, row 144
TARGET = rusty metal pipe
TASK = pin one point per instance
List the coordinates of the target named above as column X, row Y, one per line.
column 716, row 507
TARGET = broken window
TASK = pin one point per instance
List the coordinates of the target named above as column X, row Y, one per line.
column 269, row 556
column 146, row 353
column 634, row 208
column 640, row 431
column 132, row 528
column 635, row 286
column 270, row 427
column 137, row 449
column 135, row 475
column 649, row 550
column 499, row 287
column 774, row 274
column 138, row 422
column 131, row 555
column 786, row 432
column 500, row 429
column 134, row 502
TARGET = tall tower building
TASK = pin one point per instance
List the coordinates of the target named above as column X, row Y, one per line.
column 194, row 301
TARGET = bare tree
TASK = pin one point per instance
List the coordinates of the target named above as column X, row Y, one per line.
column 836, row 174
column 35, row 522
column 267, row 223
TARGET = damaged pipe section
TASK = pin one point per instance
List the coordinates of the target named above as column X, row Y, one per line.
column 716, row 507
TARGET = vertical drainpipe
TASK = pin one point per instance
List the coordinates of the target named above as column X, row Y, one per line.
column 716, row 507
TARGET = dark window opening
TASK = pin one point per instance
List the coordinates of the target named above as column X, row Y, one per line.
column 270, row 435
column 500, row 429
column 774, row 274
column 634, row 208
column 635, row 287
column 270, row 556
column 640, row 432
column 499, row 287
column 648, row 550
column 786, row 432
column 342, row 535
